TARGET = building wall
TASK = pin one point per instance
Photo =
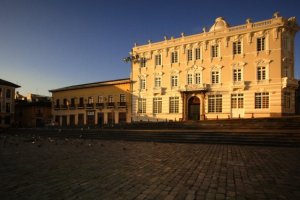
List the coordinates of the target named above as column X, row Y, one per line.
column 61, row 113
column 33, row 114
column 7, row 106
column 279, row 36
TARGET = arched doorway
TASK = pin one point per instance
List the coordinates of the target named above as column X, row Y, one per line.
column 194, row 108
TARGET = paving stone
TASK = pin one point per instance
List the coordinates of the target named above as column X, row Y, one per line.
column 94, row 169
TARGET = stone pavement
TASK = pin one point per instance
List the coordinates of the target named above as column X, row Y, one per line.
column 95, row 169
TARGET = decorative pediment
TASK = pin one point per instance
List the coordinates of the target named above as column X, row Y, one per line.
column 216, row 67
column 238, row 64
column 143, row 76
column 263, row 61
column 175, row 71
column 158, row 73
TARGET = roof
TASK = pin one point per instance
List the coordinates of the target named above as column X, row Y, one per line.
column 96, row 84
column 7, row 83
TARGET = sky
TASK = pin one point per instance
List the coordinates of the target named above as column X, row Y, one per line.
column 49, row 44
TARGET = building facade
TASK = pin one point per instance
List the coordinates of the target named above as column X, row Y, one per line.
column 32, row 111
column 7, row 103
column 92, row 104
column 242, row 71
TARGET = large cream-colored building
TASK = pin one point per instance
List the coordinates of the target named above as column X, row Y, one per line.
column 92, row 104
column 227, row 71
column 7, row 103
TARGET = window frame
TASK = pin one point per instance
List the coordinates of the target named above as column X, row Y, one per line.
column 237, row 47
column 157, row 105
column 174, row 104
column 174, row 57
column 261, row 43
column 141, row 105
column 262, row 100
column 158, row 60
column 174, row 80
column 215, row 103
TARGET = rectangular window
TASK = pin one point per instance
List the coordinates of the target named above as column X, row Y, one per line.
column 142, row 84
column 110, row 99
column 215, row 51
column 157, row 105
column 157, row 82
column 141, row 105
column 90, row 100
column 8, row 93
column 158, row 59
column 143, row 62
column 261, row 44
column 81, row 101
column 237, row 101
column 285, row 71
column 72, row 102
column 174, row 81
column 57, row 103
column 237, row 48
column 197, row 78
column 237, row 75
column 261, row 100
column 285, row 42
column 122, row 98
column 215, row 77
column 100, row 99
column 174, row 57
column 190, row 79
column 189, row 54
column 215, row 103
column 197, row 54
column 287, row 99
column 7, row 109
column 174, row 104
column 261, row 73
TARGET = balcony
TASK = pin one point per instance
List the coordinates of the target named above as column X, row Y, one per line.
column 89, row 106
column 63, row 107
column 194, row 87
column 288, row 82
column 100, row 105
column 238, row 85
column 80, row 106
column 72, row 107
column 157, row 90
column 56, row 107
column 122, row 104
column 111, row 105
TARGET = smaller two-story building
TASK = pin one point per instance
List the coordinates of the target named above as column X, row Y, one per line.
column 32, row 111
column 92, row 104
column 7, row 103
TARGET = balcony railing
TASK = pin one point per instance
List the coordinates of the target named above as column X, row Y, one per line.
column 80, row 106
column 63, row 107
column 288, row 82
column 56, row 107
column 238, row 85
column 111, row 105
column 72, row 106
column 157, row 90
column 122, row 104
column 89, row 105
column 100, row 105
column 195, row 87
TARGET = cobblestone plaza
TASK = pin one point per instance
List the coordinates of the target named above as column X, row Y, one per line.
column 95, row 169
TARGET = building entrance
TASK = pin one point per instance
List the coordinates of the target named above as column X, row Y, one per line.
column 194, row 108
column 90, row 118
column 100, row 119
